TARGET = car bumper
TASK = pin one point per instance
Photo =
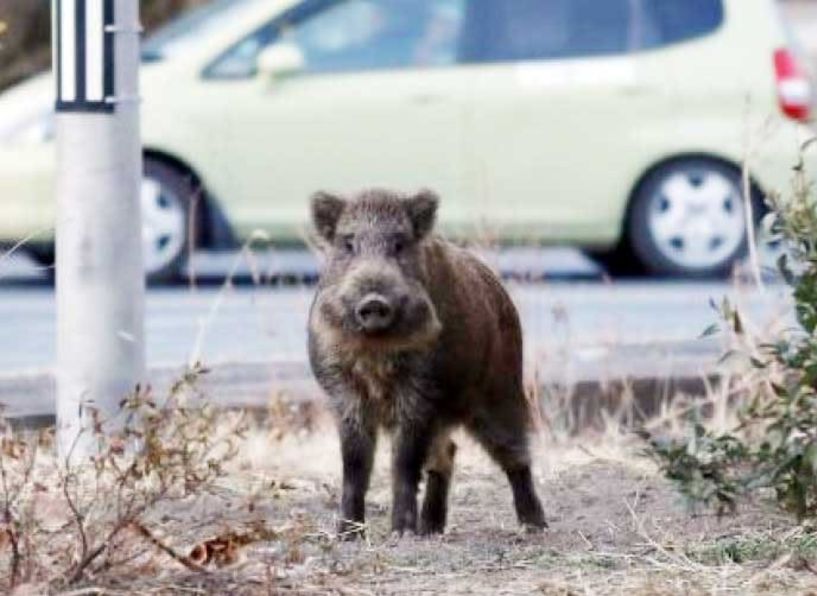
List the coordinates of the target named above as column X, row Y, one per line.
column 27, row 199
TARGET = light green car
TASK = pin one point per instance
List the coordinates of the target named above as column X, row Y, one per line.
column 615, row 124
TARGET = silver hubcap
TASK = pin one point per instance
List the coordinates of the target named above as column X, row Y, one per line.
column 163, row 225
column 697, row 219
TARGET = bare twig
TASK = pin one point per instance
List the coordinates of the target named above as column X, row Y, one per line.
column 215, row 307
column 167, row 549
column 748, row 203
column 20, row 244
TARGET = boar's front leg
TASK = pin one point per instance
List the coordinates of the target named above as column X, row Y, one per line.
column 358, row 439
column 410, row 448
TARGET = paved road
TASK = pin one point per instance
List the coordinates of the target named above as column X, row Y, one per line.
column 254, row 332
column 250, row 320
column 255, row 321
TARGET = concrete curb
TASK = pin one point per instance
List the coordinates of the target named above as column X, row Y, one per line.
column 29, row 400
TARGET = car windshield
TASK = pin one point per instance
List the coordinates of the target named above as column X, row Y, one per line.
column 192, row 27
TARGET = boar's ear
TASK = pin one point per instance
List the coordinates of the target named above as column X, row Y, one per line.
column 326, row 211
column 422, row 210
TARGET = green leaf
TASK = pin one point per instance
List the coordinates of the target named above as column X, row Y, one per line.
column 759, row 364
column 737, row 323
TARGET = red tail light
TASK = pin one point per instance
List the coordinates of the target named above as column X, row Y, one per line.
column 793, row 86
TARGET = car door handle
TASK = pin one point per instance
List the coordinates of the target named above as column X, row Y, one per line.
column 427, row 98
column 634, row 89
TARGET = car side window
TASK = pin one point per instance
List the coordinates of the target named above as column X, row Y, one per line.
column 547, row 29
column 358, row 35
column 674, row 21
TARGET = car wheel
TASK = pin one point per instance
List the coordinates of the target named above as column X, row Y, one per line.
column 688, row 219
column 165, row 202
column 44, row 257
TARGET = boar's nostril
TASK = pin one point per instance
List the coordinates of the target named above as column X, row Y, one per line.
column 374, row 313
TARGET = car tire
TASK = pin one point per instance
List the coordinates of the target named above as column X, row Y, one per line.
column 44, row 257
column 165, row 197
column 688, row 219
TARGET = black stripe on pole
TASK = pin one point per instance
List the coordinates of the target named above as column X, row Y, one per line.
column 82, row 37
column 110, row 19
column 57, row 40
column 80, row 101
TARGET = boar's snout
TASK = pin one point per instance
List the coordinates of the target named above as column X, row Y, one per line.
column 374, row 313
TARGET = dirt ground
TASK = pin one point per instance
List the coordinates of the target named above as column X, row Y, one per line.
column 615, row 527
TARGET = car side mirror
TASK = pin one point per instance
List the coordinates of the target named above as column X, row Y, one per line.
column 280, row 60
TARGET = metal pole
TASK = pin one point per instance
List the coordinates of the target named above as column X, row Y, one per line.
column 100, row 280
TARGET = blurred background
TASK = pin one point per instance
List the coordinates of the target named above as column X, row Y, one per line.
column 25, row 45
column 501, row 111
column 601, row 150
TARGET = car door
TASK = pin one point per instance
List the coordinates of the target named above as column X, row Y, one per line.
column 380, row 101
column 556, row 116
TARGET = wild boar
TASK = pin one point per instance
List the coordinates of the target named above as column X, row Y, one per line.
column 409, row 333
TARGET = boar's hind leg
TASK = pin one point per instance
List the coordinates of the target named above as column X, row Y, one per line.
column 358, row 441
column 507, row 444
column 439, row 468
column 528, row 508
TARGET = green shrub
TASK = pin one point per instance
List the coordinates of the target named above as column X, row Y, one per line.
column 772, row 449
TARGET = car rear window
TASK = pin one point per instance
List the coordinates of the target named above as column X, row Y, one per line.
column 546, row 29
column 666, row 22
column 503, row 30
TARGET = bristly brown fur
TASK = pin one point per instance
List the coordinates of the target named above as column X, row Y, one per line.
column 451, row 357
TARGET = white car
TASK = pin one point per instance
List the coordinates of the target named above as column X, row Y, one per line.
column 615, row 124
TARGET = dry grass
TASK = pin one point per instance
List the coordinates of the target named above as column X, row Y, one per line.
column 265, row 526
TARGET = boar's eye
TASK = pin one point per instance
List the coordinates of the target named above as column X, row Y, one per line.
column 398, row 244
column 348, row 244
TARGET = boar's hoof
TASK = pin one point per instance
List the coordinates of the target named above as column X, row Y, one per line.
column 534, row 523
column 351, row 530
column 531, row 529
column 404, row 522
column 430, row 527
